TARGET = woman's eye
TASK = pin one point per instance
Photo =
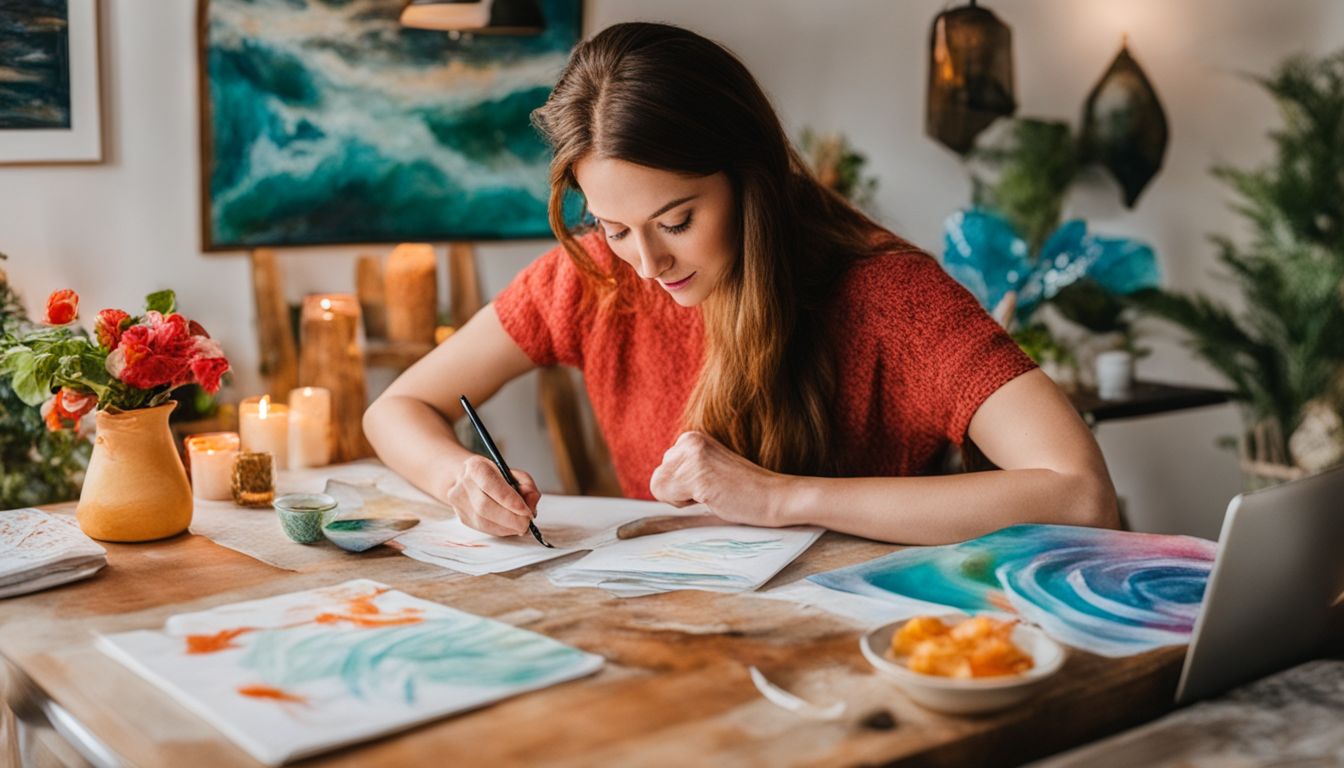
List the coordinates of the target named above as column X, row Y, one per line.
column 676, row 229
column 617, row 235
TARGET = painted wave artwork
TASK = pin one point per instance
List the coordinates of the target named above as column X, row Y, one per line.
column 1113, row 593
column 328, row 122
column 34, row 64
column 303, row 673
column 721, row 558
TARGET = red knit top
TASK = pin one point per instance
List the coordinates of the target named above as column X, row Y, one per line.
column 915, row 354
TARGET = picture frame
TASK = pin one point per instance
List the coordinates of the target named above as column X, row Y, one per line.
column 332, row 124
column 50, row 101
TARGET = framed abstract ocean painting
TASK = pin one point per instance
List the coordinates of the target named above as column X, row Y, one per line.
column 49, row 87
column 327, row 122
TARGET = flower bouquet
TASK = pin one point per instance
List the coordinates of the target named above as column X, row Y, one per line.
column 135, row 488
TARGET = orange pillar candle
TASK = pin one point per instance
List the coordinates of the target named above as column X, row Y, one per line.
column 263, row 427
column 411, row 290
column 211, row 458
column 309, row 427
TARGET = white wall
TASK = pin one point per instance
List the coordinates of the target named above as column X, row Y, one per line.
column 117, row 230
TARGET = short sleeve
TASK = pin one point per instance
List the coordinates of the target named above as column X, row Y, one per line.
column 544, row 311
column 954, row 355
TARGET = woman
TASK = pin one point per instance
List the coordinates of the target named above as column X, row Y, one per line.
column 748, row 339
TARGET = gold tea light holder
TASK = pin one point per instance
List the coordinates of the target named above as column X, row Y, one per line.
column 253, row 479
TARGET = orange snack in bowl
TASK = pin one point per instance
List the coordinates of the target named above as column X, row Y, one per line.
column 916, row 631
column 978, row 647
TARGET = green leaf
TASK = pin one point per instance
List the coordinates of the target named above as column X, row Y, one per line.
column 27, row 387
column 163, row 302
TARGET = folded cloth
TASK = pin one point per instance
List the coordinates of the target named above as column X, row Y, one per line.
column 721, row 558
column 38, row 550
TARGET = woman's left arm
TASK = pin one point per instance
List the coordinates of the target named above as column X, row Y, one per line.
column 1051, row 471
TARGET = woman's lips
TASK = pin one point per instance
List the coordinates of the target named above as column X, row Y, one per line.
column 678, row 285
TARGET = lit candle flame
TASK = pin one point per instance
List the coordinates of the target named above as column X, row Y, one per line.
column 325, row 303
column 264, row 407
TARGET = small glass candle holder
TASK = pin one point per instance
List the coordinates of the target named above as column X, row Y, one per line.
column 253, row 479
column 301, row 515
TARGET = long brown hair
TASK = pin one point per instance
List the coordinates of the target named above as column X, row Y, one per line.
column 666, row 98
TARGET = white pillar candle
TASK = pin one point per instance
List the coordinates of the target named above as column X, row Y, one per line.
column 211, row 458
column 309, row 427
column 264, row 428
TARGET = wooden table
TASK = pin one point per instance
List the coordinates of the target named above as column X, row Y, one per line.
column 675, row 690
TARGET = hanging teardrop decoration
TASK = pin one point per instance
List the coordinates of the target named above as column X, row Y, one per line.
column 1124, row 126
column 970, row 75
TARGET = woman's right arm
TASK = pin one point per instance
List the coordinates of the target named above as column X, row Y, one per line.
column 410, row 426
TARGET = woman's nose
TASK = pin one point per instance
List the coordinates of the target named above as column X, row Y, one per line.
column 653, row 261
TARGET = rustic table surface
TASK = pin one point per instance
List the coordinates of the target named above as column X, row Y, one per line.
column 675, row 689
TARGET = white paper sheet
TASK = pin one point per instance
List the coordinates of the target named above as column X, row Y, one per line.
column 39, row 550
column 302, row 673
column 862, row 611
column 724, row 558
column 570, row 523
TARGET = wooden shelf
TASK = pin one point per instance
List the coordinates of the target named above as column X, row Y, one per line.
column 1148, row 398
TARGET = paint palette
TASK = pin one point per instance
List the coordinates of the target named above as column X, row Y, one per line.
column 365, row 516
column 299, row 674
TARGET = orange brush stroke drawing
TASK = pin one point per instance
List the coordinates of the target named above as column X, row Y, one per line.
column 217, row 642
column 361, row 612
column 270, row 692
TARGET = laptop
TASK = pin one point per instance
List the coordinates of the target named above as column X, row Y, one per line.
column 1276, row 582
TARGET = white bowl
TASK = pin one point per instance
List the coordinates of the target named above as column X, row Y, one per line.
column 966, row 696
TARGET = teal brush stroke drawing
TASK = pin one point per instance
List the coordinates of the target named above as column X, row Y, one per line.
column 393, row 661
column 710, row 550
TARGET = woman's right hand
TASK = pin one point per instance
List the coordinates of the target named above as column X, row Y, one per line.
column 485, row 501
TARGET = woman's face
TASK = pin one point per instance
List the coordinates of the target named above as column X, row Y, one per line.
column 678, row 230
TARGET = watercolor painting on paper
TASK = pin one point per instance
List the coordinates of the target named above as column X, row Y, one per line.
column 1114, row 593
column 721, row 558
column 302, row 673
column 571, row 524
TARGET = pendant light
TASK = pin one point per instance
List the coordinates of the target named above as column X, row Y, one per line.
column 479, row 17
column 970, row 75
column 1124, row 125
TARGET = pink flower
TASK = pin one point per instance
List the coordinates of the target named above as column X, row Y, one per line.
column 67, row 405
column 208, row 364
column 157, row 352
column 108, row 327
column 62, row 307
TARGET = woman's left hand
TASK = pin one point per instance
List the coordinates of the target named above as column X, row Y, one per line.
column 698, row 468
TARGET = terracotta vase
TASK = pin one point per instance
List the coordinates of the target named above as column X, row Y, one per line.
column 135, row 488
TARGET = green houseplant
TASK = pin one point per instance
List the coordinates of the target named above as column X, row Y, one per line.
column 37, row 465
column 1283, row 354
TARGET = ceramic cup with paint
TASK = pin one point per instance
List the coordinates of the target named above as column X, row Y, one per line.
column 301, row 515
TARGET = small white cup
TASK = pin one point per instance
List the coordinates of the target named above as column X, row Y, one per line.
column 1115, row 374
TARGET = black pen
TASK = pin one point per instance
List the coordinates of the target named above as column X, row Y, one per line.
column 499, row 462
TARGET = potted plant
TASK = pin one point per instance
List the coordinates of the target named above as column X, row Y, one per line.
column 135, row 488
column 37, row 466
column 1283, row 354
column 1012, row 242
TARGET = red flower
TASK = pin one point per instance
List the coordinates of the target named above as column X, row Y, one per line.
column 209, row 363
column 157, row 352
column 62, row 307
column 67, row 405
column 108, row 327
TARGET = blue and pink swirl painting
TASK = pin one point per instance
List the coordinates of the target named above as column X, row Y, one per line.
column 1114, row 593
